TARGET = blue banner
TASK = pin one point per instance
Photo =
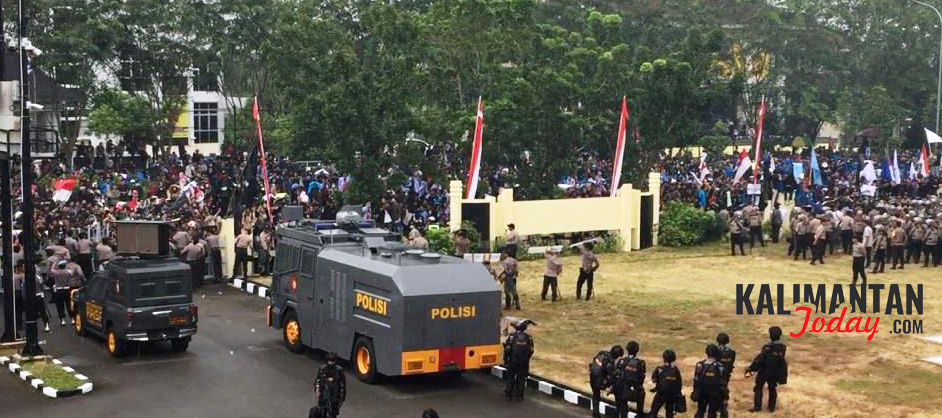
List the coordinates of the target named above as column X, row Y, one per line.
column 798, row 170
column 815, row 169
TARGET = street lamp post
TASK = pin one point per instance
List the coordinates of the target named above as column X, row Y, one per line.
column 938, row 92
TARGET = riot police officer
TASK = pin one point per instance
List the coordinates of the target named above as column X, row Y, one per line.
column 770, row 368
column 708, row 383
column 667, row 385
column 330, row 387
column 727, row 359
column 518, row 348
column 629, row 381
column 601, row 371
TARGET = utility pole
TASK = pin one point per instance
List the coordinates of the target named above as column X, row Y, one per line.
column 6, row 218
column 28, row 236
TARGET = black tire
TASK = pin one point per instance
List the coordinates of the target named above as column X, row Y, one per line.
column 364, row 360
column 78, row 324
column 180, row 344
column 291, row 333
column 114, row 344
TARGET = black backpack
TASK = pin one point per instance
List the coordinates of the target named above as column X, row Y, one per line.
column 711, row 377
column 597, row 367
column 634, row 370
column 668, row 380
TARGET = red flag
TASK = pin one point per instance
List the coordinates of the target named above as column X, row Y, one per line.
column 474, row 170
column 620, row 145
column 759, row 124
column 742, row 155
column 924, row 161
column 64, row 184
column 261, row 151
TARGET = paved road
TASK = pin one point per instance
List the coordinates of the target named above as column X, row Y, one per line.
column 237, row 367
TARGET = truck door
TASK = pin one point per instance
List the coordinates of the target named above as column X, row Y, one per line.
column 94, row 298
column 306, row 293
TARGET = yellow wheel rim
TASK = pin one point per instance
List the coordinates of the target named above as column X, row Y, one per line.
column 363, row 360
column 293, row 332
column 78, row 323
column 112, row 342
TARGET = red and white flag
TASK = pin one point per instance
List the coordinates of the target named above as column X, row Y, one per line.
column 620, row 145
column 261, row 152
column 63, row 190
column 924, row 161
column 474, row 171
column 759, row 124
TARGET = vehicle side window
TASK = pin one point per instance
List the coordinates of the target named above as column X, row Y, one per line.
column 295, row 258
column 283, row 258
column 307, row 262
column 96, row 287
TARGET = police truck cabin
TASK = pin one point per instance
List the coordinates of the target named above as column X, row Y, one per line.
column 355, row 290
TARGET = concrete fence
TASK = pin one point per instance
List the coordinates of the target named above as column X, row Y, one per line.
column 632, row 213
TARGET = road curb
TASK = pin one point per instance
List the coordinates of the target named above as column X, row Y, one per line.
column 250, row 288
column 12, row 364
column 561, row 391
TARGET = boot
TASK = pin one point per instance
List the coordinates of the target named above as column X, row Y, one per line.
column 773, row 396
column 757, row 402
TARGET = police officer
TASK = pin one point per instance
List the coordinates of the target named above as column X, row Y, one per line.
column 754, row 217
column 859, row 264
column 736, row 229
column 518, row 348
column 820, row 235
column 897, row 245
column 727, row 358
column 667, row 384
column 629, row 381
column 708, row 384
column 330, row 387
column 880, row 243
column 601, row 371
column 62, row 281
column 799, row 236
column 509, row 278
column 917, row 232
column 931, row 244
column 770, row 369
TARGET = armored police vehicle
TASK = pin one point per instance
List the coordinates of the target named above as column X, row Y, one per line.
column 141, row 298
column 353, row 289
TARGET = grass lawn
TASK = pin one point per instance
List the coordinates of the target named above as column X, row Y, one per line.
column 51, row 374
column 8, row 352
column 681, row 298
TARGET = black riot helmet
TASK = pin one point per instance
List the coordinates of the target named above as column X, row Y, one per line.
column 632, row 348
column 331, row 358
column 616, row 351
column 775, row 333
column 670, row 356
column 713, row 351
column 722, row 339
column 522, row 325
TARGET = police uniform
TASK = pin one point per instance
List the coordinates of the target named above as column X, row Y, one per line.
column 860, row 263
column 600, row 373
column 551, row 276
column 770, row 369
column 518, row 348
column 931, row 244
column 898, row 244
column 667, row 386
column 754, row 216
column 727, row 359
column 586, row 273
column 510, row 282
column 62, row 281
column 880, row 242
column 735, row 234
column 215, row 252
column 629, row 385
column 916, row 235
column 708, row 387
column 331, row 387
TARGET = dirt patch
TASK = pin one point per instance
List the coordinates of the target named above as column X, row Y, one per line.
column 681, row 298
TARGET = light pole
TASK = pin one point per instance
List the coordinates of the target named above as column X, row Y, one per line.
column 938, row 91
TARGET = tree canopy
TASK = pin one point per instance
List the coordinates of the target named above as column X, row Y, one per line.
column 350, row 80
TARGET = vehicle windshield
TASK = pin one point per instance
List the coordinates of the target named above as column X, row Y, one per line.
column 160, row 291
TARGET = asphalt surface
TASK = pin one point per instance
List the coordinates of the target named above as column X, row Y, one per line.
column 237, row 367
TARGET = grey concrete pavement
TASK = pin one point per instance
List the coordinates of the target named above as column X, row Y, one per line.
column 237, row 367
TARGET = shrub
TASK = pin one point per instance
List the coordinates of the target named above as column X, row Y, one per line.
column 439, row 240
column 682, row 224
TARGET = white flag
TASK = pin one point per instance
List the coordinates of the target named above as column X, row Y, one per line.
column 744, row 165
column 894, row 170
column 932, row 137
column 868, row 173
column 912, row 171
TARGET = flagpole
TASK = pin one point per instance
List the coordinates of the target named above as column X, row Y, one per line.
column 261, row 151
